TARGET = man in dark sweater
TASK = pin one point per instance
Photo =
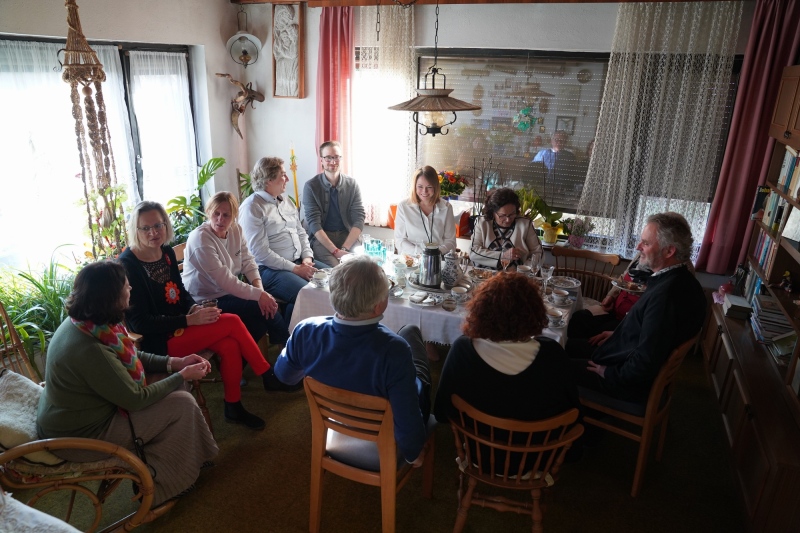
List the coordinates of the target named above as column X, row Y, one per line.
column 626, row 361
column 354, row 351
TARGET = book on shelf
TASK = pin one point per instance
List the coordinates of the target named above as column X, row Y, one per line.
column 785, row 218
column 760, row 202
column 786, row 167
column 735, row 306
column 790, row 169
column 795, row 180
column 791, row 230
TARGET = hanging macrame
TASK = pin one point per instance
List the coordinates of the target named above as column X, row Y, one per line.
column 103, row 197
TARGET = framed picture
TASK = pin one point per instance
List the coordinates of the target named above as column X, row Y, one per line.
column 566, row 124
column 288, row 53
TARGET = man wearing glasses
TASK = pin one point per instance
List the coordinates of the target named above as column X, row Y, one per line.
column 333, row 210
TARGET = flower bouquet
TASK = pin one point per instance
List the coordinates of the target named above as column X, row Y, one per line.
column 451, row 183
column 577, row 229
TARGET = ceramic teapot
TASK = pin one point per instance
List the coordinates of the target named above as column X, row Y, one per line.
column 451, row 272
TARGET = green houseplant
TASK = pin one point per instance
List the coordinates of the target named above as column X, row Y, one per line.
column 186, row 213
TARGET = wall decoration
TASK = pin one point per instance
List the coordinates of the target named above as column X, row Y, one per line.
column 239, row 103
column 584, row 75
column 542, row 129
column 566, row 124
column 288, row 55
column 544, row 105
column 569, row 99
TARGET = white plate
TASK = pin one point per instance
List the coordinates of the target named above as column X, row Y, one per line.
column 436, row 300
column 477, row 275
column 561, row 324
column 635, row 288
column 564, row 282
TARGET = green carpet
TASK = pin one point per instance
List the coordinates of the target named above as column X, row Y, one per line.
column 261, row 479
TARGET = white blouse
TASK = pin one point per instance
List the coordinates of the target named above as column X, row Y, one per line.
column 412, row 227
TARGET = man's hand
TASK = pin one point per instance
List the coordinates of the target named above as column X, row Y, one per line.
column 419, row 460
column 608, row 303
column 600, row 370
column 339, row 253
column 304, row 270
column 267, row 304
column 600, row 338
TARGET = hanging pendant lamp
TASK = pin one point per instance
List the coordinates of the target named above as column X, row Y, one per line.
column 243, row 47
column 435, row 103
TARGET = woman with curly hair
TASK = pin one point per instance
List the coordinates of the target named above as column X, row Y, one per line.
column 503, row 233
column 500, row 365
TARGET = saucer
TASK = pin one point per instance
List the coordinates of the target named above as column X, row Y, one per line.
column 560, row 324
column 549, row 299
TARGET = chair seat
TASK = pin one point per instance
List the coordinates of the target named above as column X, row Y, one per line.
column 360, row 453
column 25, row 470
column 631, row 408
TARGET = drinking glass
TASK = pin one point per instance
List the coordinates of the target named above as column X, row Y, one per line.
column 547, row 273
column 505, row 259
column 534, row 262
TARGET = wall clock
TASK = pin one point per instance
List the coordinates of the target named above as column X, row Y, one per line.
column 584, row 75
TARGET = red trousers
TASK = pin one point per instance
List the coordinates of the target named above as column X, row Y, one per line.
column 229, row 339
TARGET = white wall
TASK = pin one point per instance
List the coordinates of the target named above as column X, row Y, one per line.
column 278, row 123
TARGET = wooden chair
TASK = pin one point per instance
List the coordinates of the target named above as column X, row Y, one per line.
column 353, row 437
column 593, row 269
column 647, row 417
column 509, row 454
column 32, row 473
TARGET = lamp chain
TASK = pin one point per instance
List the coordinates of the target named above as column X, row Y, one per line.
column 405, row 6
column 378, row 21
column 436, row 36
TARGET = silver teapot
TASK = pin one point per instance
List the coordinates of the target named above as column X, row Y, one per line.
column 430, row 266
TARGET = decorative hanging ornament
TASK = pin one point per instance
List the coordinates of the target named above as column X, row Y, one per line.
column 243, row 47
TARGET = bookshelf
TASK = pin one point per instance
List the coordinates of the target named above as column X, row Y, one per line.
column 758, row 393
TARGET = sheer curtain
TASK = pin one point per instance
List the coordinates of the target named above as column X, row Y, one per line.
column 662, row 121
column 41, row 182
column 383, row 140
column 160, row 92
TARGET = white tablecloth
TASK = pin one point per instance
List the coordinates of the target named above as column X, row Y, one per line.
column 436, row 324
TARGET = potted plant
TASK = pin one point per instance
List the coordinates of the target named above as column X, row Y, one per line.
column 547, row 219
column 577, row 229
column 186, row 213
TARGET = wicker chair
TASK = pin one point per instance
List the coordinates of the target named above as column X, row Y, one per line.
column 19, row 472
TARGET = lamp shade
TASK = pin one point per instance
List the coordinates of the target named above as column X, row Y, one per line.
column 433, row 100
column 244, row 48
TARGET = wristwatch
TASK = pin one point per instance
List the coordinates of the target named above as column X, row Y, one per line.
column 344, row 249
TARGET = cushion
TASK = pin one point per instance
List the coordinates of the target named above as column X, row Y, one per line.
column 360, row 453
column 19, row 397
column 18, row 517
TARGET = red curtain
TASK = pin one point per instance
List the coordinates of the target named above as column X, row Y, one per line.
column 334, row 78
column 774, row 44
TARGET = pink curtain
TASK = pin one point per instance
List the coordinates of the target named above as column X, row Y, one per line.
column 774, row 44
column 334, row 78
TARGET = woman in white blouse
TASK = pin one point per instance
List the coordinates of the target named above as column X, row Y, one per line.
column 424, row 217
column 216, row 255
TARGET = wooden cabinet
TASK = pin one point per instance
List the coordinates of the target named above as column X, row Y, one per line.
column 785, row 123
column 759, row 424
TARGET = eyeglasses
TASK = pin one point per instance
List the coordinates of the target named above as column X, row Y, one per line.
column 155, row 227
column 332, row 158
column 507, row 217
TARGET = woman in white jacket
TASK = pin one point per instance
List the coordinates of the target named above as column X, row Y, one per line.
column 216, row 255
column 424, row 217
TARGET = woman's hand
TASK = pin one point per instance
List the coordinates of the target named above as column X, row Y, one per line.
column 196, row 371
column 600, row 338
column 267, row 304
column 179, row 363
column 512, row 254
column 204, row 315
column 608, row 303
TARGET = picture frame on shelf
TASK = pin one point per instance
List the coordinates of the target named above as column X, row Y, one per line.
column 565, row 124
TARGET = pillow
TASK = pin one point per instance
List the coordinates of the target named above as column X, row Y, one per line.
column 19, row 397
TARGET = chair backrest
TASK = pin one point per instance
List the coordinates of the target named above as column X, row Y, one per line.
column 660, row 395
column 355, row 415
column 512, row 453
column 12, row 353
column 593, row 269
column 180, row 251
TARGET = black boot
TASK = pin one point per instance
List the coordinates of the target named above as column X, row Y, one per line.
column 236, row 413
column 272, row 383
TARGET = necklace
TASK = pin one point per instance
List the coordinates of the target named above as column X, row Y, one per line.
column 433, row 215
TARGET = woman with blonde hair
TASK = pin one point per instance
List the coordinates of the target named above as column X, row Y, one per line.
column 170, row 321
column 424, row 217
column 216, row 255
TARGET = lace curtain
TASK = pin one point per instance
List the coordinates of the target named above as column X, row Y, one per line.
column 160, row 89
column 663, row 119
column 383, row 140
column 41, row 181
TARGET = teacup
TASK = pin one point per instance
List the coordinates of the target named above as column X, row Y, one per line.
column 560, row 296
column 524, row 269
column 320, row 279
column 449, row 303
column 459, row 293
column 209, row 303
column 554, row 317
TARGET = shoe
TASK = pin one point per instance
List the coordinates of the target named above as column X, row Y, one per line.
column 272, row 383
column 237, row 414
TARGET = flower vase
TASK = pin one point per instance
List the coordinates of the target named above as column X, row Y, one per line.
column 550, row 234
column 575, row 241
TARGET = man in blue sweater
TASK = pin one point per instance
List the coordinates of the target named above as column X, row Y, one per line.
column 352, row 350
column 626, row 361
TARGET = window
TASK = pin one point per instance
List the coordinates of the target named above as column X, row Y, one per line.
column 41, row 184
column 537, row 122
